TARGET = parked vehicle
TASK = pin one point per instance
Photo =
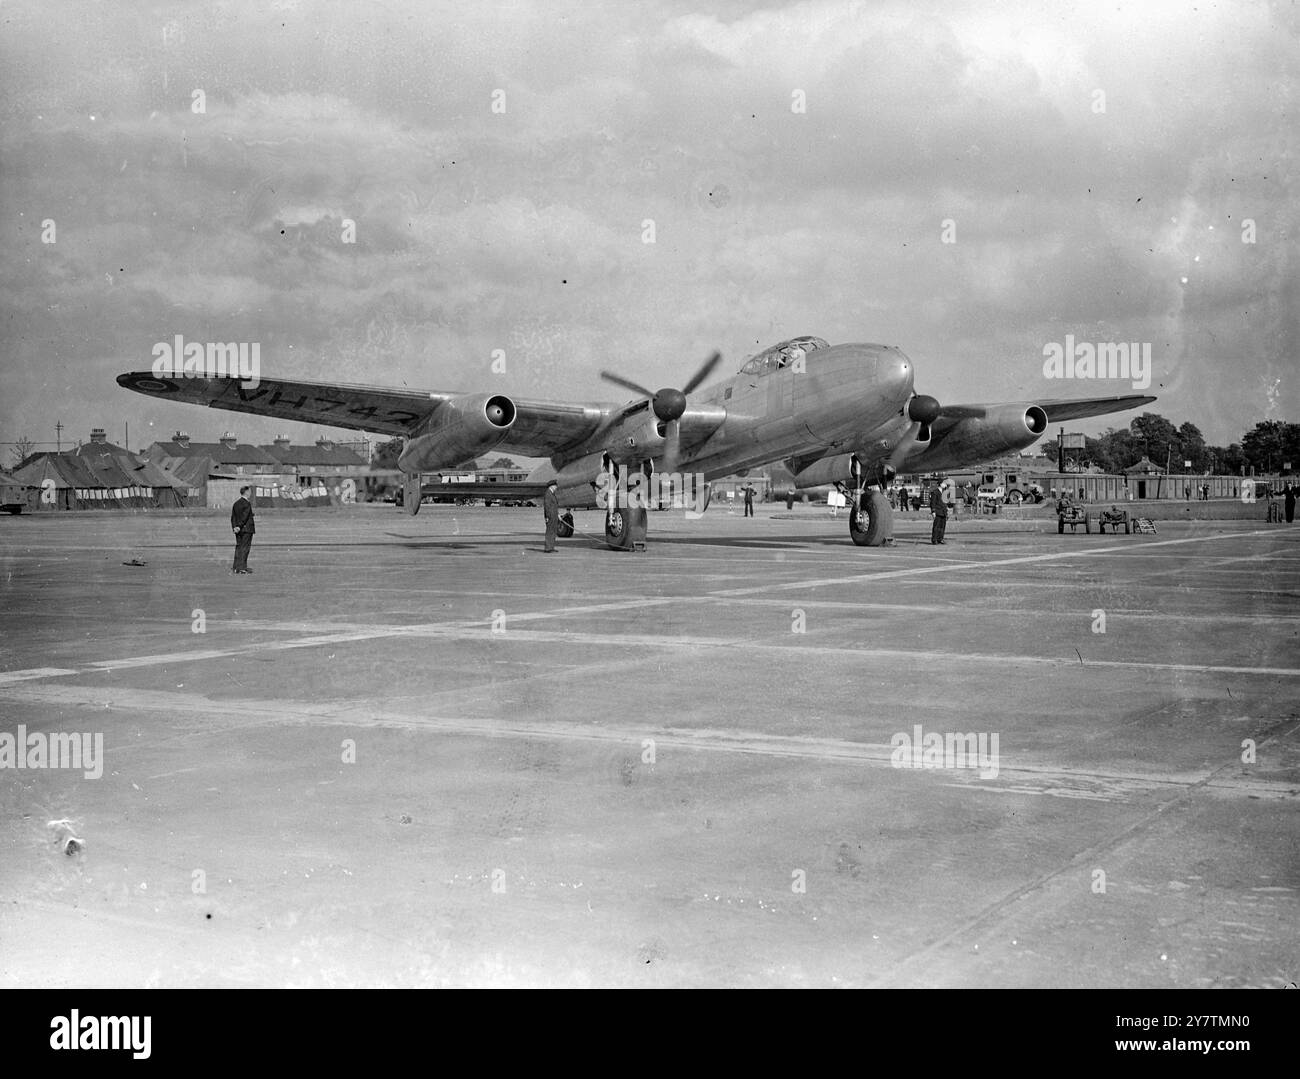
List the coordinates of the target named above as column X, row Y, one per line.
column 1071, row 513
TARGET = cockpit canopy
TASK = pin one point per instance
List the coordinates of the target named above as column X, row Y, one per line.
column 782, row 355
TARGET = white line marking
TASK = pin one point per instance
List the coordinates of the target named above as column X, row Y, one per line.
column 1018, row 561
column 33, row 672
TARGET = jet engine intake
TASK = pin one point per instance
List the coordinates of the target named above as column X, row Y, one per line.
column 459, row 430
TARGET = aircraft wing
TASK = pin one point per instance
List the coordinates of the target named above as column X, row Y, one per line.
column 1059, row 410
column 541, row 428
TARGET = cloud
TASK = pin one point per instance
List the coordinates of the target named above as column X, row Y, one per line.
column 523, row 230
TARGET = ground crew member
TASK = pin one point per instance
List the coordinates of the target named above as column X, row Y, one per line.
column 241, row 522
column 749, row 500
column 940, row 511
column 551, row 509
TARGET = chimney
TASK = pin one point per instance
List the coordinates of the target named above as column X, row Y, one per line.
column 229, row 440
column 97, row 436
column 181, row 439
column 282, row 442
column 324, row 443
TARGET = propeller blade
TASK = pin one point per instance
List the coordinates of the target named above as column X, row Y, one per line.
column 627, row 384
column 903, row 448
column 672, row 447
column 703, row 373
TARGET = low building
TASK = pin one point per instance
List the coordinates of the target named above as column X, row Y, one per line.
column 215, row 471
column 324, row 459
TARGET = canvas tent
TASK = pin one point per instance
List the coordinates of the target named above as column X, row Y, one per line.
column 98, row 475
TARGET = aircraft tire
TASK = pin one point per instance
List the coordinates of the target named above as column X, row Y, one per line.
column 618, row 526
column 875, row 509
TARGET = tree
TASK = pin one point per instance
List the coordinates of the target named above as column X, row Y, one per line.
column 1271, row 445
column 503, row 462
column 1114, row 451
column 1191, row 447
column 1157, row 437
column 1228, row 459
column 21, row 450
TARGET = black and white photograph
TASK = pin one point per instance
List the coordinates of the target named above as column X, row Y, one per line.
column 473, row 480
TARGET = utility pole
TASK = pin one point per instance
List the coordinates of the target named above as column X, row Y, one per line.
column 58, row 435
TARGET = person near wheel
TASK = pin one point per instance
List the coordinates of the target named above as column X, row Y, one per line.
column 940, row 510
column 551, row 510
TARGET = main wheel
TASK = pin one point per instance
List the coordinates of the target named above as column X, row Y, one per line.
column 617, row 527
column 871, row 521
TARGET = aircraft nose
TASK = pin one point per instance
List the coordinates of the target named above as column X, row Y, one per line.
column 898, row 371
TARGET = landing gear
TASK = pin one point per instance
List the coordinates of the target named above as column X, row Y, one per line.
column 625, row 515
column 618, row 528
column 871, row 519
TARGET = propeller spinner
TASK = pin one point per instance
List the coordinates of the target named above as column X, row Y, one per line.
column 668, row 404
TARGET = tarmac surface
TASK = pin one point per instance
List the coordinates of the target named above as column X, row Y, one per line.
column 417, row 751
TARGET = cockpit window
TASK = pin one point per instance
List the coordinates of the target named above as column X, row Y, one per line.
column 782, row 355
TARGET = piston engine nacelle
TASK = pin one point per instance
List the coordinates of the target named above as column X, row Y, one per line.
column 636, row 441
column 459, row 430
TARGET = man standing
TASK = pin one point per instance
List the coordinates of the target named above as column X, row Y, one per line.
column 551, row 509
column 241, row 521
column 749, row 500
column 940, row 510
column 1289, row 497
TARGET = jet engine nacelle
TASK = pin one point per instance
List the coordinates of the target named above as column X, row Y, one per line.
column 459, row 430
column 1002, row 429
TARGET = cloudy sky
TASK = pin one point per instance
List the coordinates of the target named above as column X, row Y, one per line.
column 1099, row 170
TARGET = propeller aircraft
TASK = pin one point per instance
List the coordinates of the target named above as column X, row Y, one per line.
column 846, row 415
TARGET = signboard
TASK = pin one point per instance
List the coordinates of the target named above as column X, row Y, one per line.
column 1073, row 440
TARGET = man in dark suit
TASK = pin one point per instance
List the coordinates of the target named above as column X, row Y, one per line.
column 940, row 510
column 551, row 509
column 749, row 500
column 241, row 520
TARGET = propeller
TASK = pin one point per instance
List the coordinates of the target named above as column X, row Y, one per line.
column 667, row 404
